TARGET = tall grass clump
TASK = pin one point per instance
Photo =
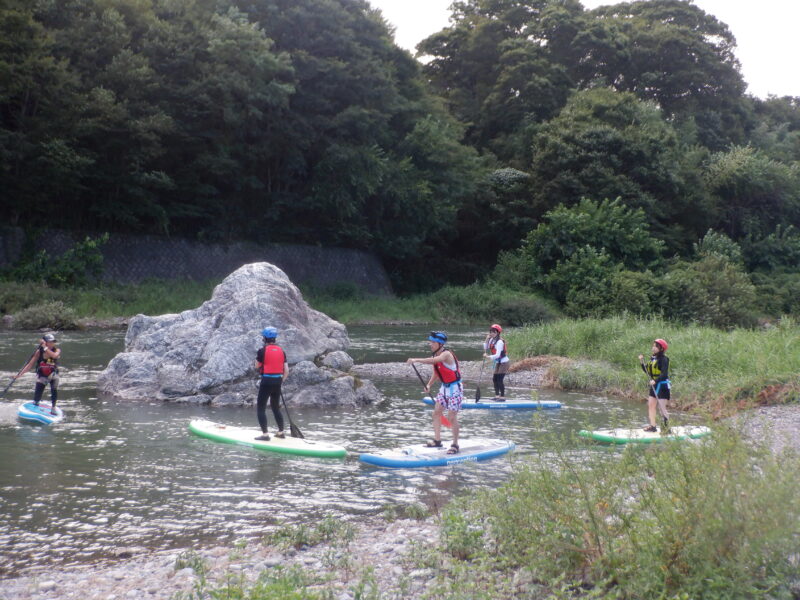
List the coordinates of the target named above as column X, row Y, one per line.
column 709, row 520
column 708, row 366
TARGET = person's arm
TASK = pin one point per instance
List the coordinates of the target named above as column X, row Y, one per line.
column 431, row 360
column 30, row 363
column 285, row 369
column 52, row 354
column 663, row 365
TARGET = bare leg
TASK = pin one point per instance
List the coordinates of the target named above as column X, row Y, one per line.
column 651, row 410
column 453, row 416
column 437, row 421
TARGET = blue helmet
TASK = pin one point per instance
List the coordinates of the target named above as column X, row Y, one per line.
column 269, row 332
column 440, row 337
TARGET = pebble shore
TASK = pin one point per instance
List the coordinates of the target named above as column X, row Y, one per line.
column 384, row 548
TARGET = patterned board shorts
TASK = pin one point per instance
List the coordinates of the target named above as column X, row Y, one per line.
column 451, row 396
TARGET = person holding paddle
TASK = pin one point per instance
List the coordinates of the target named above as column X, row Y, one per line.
column 451, row 392
column 273, row 367
column 494, row 348
column 657, row 371
column 45, row 358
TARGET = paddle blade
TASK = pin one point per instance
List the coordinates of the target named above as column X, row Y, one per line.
column 294, row 430
column 446, row 422
column 478, row 394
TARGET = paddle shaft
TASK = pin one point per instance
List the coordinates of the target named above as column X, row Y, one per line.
column 480, row 378
column 293, row 429
column 8, row 387
column 445, row 420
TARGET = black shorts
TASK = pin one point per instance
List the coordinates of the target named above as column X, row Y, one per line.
column 661, row 388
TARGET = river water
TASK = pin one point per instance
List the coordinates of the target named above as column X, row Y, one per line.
column 119, row 474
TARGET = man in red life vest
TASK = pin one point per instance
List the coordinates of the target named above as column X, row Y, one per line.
column 271, row 364
column 451, row 392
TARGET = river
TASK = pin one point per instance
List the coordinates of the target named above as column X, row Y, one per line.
column 119, row 474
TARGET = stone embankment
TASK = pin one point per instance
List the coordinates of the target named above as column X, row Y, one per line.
column 387, row 549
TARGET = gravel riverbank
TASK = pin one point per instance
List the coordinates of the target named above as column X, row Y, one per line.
column 383, row 549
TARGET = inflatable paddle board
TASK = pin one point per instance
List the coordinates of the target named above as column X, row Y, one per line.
column 507, row 405
column 28, row 411
column 640, row 436
column 412, row 457
column 245, row 436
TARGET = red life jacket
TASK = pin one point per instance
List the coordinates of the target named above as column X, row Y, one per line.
column 274, row 357
column 492, row 345
column 446, row 374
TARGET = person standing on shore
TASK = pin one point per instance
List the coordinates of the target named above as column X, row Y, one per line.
column 273, row 367
column 46, row 361
column 659, row 385
column 451, row 392
column 494, row 348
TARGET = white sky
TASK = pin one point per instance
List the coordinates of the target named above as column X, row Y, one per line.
column 764, row 29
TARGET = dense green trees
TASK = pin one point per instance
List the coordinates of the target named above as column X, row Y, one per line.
column 610, row 157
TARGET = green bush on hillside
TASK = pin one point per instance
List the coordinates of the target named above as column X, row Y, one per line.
column 50, row 315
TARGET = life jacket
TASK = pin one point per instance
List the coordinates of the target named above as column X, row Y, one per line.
column 47, row 366
column 446, row 374
column 274, row 357
column 492, row 345
column 652, row 367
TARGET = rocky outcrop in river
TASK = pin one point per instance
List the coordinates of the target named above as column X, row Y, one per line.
column 206, row 354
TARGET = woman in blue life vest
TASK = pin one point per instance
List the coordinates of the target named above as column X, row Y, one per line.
column 271, row 364
column 494, row 348
column 451, row 392
column 659, row 384
column 46, row 361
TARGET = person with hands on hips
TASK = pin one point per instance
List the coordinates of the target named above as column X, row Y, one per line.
column 46, row 361
column 495, row 349
column 451, row 392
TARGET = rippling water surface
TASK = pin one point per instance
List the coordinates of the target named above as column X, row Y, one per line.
column 117, row 474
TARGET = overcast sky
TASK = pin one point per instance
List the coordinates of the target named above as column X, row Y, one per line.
column 764, row 29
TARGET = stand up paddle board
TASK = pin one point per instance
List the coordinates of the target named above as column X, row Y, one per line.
column 419, row 455
column 640, row 436
column 28, row 411
column 507, row 404
column 244, row 436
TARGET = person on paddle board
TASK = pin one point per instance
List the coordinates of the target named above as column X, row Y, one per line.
column 659, row 385
column 273, row 368
column 494, row 348
column 451, row 392
column 46, row 361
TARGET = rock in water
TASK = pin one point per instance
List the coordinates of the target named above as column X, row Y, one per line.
column 206, row 354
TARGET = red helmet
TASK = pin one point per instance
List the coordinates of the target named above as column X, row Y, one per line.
column 664, row 345
column 497, row 327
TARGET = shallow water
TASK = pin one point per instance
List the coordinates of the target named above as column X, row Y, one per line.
column 117, row 474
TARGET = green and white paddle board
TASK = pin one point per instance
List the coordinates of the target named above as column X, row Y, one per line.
column 245, row 436
column 640, row 436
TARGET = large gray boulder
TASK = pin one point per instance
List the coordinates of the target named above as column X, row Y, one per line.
column 206, row 354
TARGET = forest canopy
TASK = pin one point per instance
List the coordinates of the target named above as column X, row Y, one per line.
column 303, row 121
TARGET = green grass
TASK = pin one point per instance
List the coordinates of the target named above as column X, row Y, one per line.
column 717, row 519
column 710, row 368
column 152, row 297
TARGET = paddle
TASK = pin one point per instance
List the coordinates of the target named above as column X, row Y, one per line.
column 445, row 420
column 18, row 372
column 294, row 430
column 478, row 388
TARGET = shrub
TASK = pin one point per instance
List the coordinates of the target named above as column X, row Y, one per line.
column 710, row 291
column 51, row 315
column 708, row 520
column 78, row 266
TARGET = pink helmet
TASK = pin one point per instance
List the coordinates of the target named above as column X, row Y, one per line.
column 664, row 345
column 497, row 327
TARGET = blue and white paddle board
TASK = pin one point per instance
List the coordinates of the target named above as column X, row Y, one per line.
column 506, row 405
column 28, row 411
column 419, row 455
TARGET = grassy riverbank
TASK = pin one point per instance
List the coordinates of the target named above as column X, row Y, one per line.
column 35, row 305
column 711, row 370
